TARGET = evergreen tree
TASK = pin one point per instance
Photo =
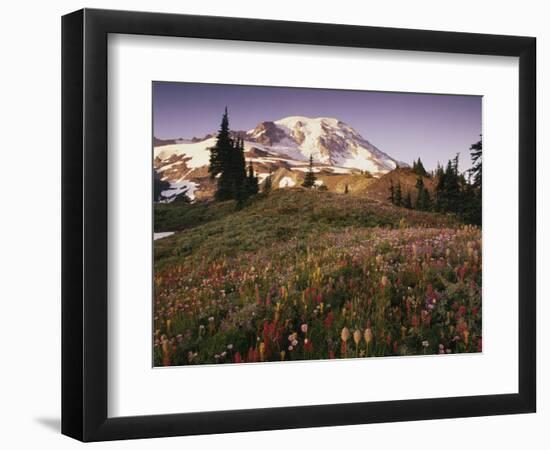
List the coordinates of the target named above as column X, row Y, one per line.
column 455, row 164
column 220, row 156
column 159, row 185
column 475, row 155
column 454, row 188
column 227, row 164
column 219, row 152
column 398, row 196
column 440, row 194
column 419, row 194
column 457, row 194
column 472, row 213
column 223, row 142
column 448, row 189
column 252, row 181
column 182, row 197
column 268, row 183
column 407, row 203
column 240, row 184
column 391, row 198
column 418, row 168
column 310, row 178
column 423, row 200
column 428, row 200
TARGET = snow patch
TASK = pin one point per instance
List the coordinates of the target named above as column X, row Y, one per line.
column 286, row 182
column 197, row 152
column 306, row 169
column 169, row 166
column 341, row 170
column 179, row 187
column 162, row 234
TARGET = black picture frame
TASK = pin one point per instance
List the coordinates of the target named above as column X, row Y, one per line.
column 84, row 224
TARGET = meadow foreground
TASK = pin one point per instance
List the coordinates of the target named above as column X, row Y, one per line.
column 303, row 274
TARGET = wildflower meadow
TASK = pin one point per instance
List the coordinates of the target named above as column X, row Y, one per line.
column 301, row 274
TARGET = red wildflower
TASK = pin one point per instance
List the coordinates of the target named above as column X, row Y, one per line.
column 461, row 326
column 252, row 355
column 426, row 318
column 461, row 272
column 344, row 349
column 329, row 320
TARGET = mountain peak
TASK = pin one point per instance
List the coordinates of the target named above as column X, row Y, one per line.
column 327, row 139
column 291, row 121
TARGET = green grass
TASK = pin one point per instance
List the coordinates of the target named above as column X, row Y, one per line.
column 222, row 229
column 239, row 284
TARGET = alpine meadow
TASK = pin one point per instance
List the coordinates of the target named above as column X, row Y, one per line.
column 281, row 233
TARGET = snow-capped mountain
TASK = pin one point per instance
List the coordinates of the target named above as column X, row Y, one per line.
column 288, row 143
column 328, row 140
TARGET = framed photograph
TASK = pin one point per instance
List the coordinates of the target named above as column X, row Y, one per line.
column 274, row 225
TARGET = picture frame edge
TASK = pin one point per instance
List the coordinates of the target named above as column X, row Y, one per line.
column 84, row 231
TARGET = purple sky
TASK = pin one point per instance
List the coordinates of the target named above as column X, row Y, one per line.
column 405, row 126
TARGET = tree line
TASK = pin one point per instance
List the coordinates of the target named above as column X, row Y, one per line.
column 228, row 165
column 455, row 192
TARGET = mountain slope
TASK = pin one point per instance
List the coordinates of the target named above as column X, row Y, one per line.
column 284, row 212
column 406, row 178
column 328, row 140
column 281, row 147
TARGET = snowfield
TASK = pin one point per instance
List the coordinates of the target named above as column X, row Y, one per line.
column 328, row 140
column 197, row 152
